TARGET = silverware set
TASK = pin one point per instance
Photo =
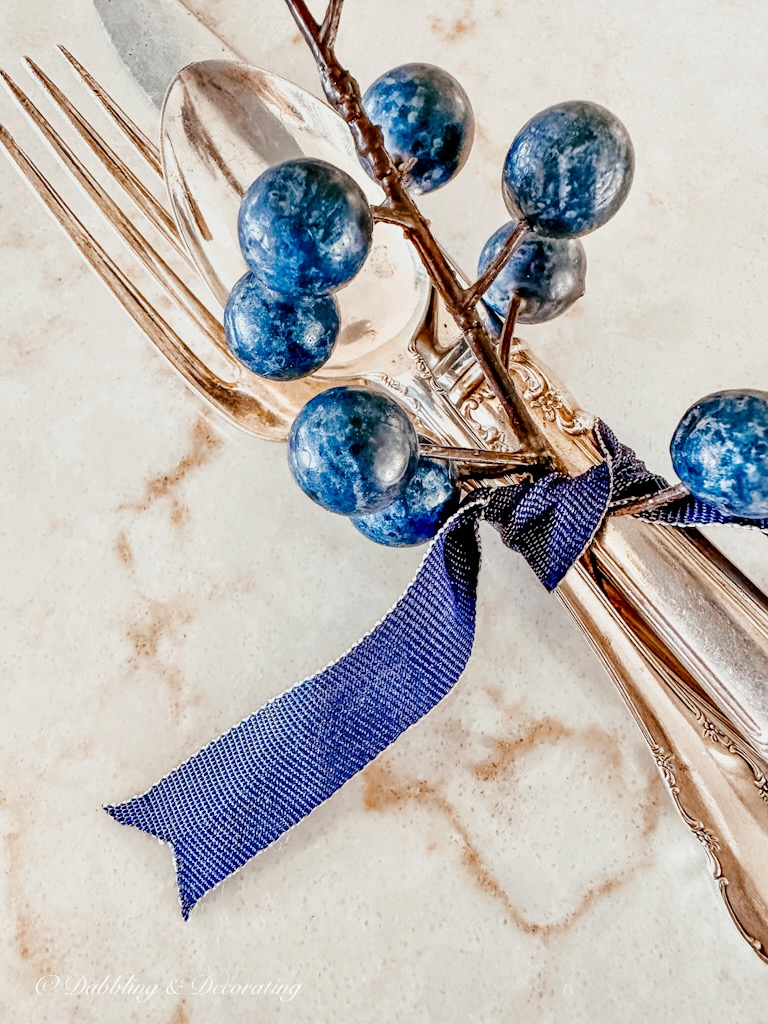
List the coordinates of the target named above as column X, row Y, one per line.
column 683, row 634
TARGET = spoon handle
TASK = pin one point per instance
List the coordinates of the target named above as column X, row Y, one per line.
column 697, row 605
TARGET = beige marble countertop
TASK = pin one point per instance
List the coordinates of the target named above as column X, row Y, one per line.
column 513, row 857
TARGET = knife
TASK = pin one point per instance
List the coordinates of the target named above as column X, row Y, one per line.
column 155, row 39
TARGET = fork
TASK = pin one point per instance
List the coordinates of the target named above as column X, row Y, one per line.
column 238, row 403
column 715, row 778
column 239, row 399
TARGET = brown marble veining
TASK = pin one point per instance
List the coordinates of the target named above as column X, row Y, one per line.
column 386, row 789
column 514, row 856
column 204, row 442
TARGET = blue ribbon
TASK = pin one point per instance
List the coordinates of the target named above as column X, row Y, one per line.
column 240, row 793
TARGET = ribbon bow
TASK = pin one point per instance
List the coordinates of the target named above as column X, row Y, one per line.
column 243, row 790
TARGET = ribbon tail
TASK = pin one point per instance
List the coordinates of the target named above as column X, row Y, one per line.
column 194, row 878
column 236, row 796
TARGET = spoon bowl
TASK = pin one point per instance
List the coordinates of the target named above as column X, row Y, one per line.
column 223, row 124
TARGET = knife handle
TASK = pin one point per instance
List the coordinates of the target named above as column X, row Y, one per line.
column 694, row 603
column 717, row 784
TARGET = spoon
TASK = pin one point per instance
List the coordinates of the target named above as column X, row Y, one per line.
column 223, row 123
column 664, row 610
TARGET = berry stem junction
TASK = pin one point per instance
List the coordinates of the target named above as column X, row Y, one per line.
column 343, row 93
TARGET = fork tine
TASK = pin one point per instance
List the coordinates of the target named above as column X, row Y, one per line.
column 122, row 224
column 147, row 149
column 117, row 167
column 242, row 408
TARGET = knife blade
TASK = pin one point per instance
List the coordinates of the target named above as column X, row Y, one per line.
column 155, row 39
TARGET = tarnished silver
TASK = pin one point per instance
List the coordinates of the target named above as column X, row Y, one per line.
column 681, row 632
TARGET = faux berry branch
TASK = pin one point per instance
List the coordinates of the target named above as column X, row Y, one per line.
column 305, row 231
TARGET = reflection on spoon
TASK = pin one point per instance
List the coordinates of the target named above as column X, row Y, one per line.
column 223, row 124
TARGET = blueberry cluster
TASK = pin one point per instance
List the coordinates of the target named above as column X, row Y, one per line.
column 354, row 451
column 305, row 230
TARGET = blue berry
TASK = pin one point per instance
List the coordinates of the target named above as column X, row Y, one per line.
column 428, row 500
column 305, row 227
column 352, row 450
column 546, row 273
column 425, row 115
column 277, row 337
column 720, row 451
column 569, row 169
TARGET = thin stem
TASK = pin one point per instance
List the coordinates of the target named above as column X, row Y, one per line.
column 658, row 500
column 481, row 458
column 508, row 333
column 330, row 26
column 387, row 215
column 343, row 93
column 497, row 264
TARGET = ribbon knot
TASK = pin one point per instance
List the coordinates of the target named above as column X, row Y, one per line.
column 242, row 791
column 551, row 521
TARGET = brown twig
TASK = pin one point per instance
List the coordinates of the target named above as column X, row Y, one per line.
column 387, row 215
column 672, row 493
column 330, row 26
column 508, row 333
column 497, row 264
column 343, row 93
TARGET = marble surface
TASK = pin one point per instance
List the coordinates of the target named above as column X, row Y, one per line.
column 514, row 856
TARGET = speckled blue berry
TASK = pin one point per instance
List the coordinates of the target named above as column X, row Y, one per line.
column 569, row 169
column 425, row 116
column 305, row 227
column 547, row 274
column 276, row 337
column 430, row 497
column 352, row 450
column 720, row 452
